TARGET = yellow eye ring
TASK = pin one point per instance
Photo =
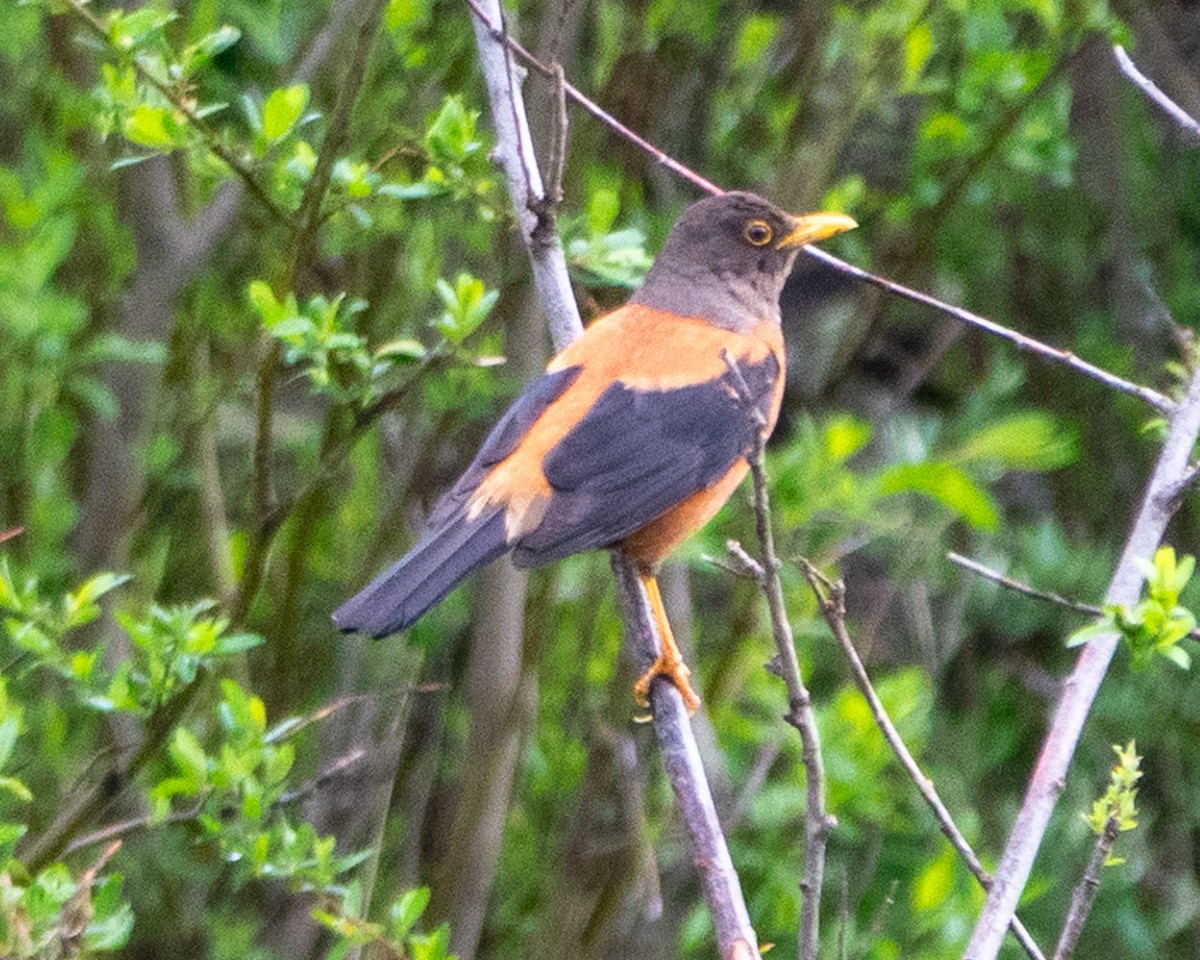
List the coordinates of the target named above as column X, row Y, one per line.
column 758, row 233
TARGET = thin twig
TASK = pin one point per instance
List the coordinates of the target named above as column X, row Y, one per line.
column 1026, row 590
column 557, row 161
column 1085, row 891
column 1023, row 588
column 573, row 93
column 831, row 601
column 681, row 757
column 818, row 822
column 211, row 141
column 1020, row 340
column 1155, row 95
column 1157, row 506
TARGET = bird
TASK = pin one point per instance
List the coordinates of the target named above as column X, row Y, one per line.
column 636, row 434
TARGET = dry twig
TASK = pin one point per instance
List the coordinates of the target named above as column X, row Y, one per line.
column 1184, row 120
column 1085, row 892
column 831, row 601
column 785, row 665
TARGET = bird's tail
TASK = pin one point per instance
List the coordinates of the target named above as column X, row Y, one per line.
column 398, row 596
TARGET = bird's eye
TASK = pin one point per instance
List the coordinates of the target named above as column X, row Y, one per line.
column 758, row 233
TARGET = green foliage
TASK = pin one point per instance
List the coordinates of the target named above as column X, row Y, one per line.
column 1158, row 624
column 56, row 914
column 169, row 645
column 965, row 138
column 1118, row 805
column 602, row 256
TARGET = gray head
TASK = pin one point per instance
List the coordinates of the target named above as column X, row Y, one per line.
column 726, row 259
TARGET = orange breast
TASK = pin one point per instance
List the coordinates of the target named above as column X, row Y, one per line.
column 643, row 348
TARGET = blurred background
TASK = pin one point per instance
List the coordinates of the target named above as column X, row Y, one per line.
column 254, row 394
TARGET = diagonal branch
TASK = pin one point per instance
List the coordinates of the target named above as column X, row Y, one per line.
column 681, row 758
column 1020, row 340
column 831, row 601
column 1080, row 688
column 1155, row 95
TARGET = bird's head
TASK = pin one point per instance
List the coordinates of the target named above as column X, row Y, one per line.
column 734, row 246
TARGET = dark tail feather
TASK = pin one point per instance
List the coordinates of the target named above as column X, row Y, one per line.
column 398, row 596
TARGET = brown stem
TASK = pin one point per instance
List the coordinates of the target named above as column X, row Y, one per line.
column 817, row 820
column 1085, row 891
column 831, row 601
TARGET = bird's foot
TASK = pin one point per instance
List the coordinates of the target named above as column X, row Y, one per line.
column 670, row 668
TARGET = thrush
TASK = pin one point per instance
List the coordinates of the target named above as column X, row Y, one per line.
column 636, row 434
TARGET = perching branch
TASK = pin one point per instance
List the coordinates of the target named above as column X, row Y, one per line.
column 831, row 601
column 514, row 149
column 785, row 665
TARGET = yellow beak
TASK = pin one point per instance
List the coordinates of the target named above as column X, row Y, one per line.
column 815, row 226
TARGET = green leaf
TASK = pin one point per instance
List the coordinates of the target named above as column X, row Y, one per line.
column 918, row 47
column 407, row 910
column 10, row 729
column 236, row 643
column 844, row 436
column 401, row 351
column 283, row 109
column 16, row 788
column 946, row 484
column 1090, row 632
column 190, row 758
column 1178, row 656
column 203, row 50
column 1023, row 441
column 602, row 209
column 150, row 126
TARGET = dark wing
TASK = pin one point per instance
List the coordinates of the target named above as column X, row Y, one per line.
column 638, row 453
column 503, row 439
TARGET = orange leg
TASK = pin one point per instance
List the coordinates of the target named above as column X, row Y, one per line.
column 669, row 663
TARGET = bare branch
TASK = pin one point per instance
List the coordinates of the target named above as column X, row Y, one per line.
column 1085, row 891
column 573, row 93
column 1155, row 95
column 831, row 600
column 681, row 758
column 1022, row 588
column 1020, row 340
column 1049, row 774
column 817, row 820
